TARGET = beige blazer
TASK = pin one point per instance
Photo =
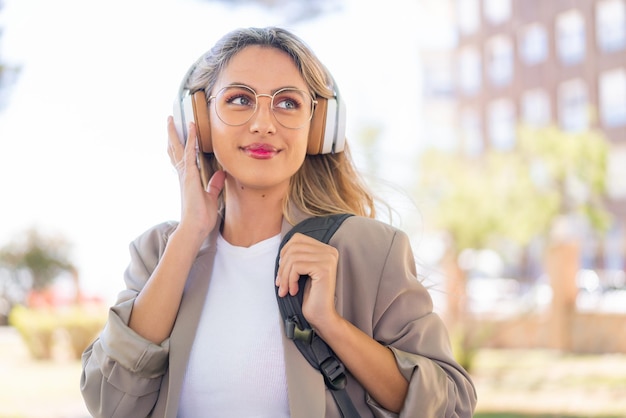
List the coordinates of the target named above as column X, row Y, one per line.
column 377, row 290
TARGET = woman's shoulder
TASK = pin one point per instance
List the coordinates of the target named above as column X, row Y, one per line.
column 155, row 236
column 365, row 231
column 355, row 223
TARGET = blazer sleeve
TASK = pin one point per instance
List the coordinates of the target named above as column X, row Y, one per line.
column 405, row 322
column 122, row 371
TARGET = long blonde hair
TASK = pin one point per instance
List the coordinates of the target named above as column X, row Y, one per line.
column 325, row 183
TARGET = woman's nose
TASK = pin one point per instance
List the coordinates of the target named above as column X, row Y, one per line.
column 263, row 119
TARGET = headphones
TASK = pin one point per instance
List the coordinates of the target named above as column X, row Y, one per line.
column 327, row 133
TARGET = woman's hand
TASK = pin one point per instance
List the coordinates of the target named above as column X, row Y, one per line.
column 303, row 255
column 198, row 206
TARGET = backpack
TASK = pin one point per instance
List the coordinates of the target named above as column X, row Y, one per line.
column 312, row 347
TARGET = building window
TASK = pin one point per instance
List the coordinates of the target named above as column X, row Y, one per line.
column 573, row 105
column 497, row 11
column 499, row 60
column 616, row 173
column 533, row 44
column 535, row 108
column 613, row 254
column 468, row 16
column 611, row 25
column 470, row 76
column 501, row 124
column 612, row 92
column 570, row 37
column 471, row 131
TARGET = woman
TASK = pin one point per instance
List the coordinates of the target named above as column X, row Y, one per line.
column 197, row 331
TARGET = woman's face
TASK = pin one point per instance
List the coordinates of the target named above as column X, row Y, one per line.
column 261, row 153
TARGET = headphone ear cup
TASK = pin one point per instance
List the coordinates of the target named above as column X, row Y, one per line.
column 201, row 119
column 318, row 126
column 327, row 133
column 339, row 137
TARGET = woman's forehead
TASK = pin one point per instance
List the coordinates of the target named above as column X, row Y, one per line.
column 262, row 67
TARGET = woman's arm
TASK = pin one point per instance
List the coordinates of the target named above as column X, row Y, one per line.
column 371, row 363
column 155, row 309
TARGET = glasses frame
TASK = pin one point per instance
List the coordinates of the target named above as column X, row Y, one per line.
column 256, row 104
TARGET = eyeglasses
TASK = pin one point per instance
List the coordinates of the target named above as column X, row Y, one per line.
column 236, row 104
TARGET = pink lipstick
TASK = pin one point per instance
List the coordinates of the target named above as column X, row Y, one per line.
column 260, row 151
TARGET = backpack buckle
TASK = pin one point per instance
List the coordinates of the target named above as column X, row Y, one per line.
column 296, row 333
column 333, row 372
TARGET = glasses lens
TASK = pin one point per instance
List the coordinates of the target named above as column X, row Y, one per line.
column 235, row 105
column 292, row 108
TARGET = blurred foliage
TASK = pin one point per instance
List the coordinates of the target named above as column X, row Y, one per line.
column 467, row 341
column 36, row 329
column 45, row 257
column 42, row 329
column 516, row 195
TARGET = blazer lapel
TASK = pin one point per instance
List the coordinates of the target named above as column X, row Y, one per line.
column 305, row 385
column 187, row 321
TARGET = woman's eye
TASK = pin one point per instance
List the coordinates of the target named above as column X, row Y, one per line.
column 286, row 103
column 240, row 101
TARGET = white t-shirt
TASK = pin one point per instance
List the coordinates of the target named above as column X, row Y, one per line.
column 236, row 366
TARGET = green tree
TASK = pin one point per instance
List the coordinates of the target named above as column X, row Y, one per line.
column 516, row 195
column 44, row 257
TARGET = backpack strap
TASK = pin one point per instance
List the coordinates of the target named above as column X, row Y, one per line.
column 313, row 348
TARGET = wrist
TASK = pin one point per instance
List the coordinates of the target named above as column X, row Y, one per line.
column 189, row 235
column 331, row 327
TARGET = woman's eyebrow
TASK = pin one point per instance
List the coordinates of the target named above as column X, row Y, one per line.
column 238, row 83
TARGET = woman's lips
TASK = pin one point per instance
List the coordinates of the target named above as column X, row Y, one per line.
column 260, row 151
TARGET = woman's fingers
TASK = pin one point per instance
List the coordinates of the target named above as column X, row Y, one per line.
column 174, row 143
column 191, row 146
column 216, row 184
column 181, row 156
column 304, row 255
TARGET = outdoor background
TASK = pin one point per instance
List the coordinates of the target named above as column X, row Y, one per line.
column 495, row 130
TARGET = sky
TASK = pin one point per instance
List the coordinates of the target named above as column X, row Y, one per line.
column 83, row 137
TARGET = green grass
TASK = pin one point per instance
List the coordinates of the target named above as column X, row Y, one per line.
column 548, row 384
column 516, row 415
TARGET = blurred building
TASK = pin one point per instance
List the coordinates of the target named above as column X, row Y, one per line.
column 535, row 62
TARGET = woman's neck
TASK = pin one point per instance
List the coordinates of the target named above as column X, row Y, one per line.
column 252, row 216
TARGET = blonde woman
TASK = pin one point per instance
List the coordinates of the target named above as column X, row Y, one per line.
column 197, row 331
